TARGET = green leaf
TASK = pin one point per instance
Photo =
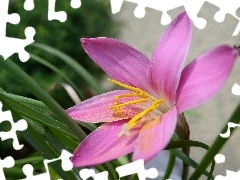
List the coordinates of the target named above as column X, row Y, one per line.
column 38, row 142
column 27, row 112
column 187, row 160
column 36, row 90
column 72, row 63
column 170, row 166
column 47, row 64
column 173, row 145
column 216, row 146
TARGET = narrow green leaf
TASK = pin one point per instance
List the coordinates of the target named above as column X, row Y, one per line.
column 187, row 160
column 170, row 166
column 72, row 63
column 186, row 143
column 216, row 146
column 50, row 66
column 37, row 141
column 27, row 112
column 13, row 173
column 35, row 104
column 29, row 160
column 36, row 90
column 42, row 108
column 190, row 143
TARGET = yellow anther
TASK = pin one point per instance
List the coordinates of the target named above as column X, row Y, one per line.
column 128, row 103
column 131, row 88
column 130, row 95
column 155, row 105
column 136, row 96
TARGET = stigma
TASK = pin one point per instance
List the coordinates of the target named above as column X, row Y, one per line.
column 137, row 96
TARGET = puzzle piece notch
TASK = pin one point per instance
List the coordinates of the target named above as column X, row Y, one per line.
column 87, row 173
column 65, row 163
column 228, row 132
column 75, row 4
column 28, row 171
column 17, row 45
column 21, row 125
column 137, row 167
column 29, row 5
column 60, row 15
column 230, row 175
column 219, row 158
column 9, row 45
column 191, row 7
column 53, row 15
column 236, row 89
column 5, row 17
column 7, row 162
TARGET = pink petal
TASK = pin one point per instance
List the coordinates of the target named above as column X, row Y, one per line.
column 203, row 77
column 103, row 145
column 97, row 109
column 169, row 56
column 155, row 136
column 119, row 60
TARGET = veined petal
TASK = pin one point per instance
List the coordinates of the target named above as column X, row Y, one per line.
column 119, row 60
column 97, row 109
column 169, row 56
column 155, row 136
column 103, row 145
column 203, row 77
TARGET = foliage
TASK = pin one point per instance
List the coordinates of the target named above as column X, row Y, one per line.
column 92, row 19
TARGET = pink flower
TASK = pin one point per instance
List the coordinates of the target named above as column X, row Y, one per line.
column 142, row 118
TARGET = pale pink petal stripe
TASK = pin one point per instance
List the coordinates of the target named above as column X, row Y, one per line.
column 97, row 108
column 119, row 60
column 155, row 136
column 204, row 76
column 169, row 56
column 103, row 145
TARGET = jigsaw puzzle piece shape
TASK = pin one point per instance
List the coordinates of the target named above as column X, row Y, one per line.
column 7, row 162
column 9, row 45
column 87, row 173
column 28, row 171
column 53, row 15
column 29, row 5
column 230, row 175
column 20, row 125
column 137, row 167
column 227, row 7
column 75, row 4
column 66, row 163
column 66, row 166
column 5, row 17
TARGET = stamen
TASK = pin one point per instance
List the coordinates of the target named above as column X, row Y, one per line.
column 132, row 88
column 154, row 106
column 137, row 96
column 128, row 103
column 130, row 95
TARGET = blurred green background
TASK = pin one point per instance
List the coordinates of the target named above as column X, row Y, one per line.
column 92, row 19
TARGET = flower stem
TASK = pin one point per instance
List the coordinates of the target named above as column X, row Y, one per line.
column 171, row 163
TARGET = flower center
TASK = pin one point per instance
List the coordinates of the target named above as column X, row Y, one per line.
column 137, row 96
